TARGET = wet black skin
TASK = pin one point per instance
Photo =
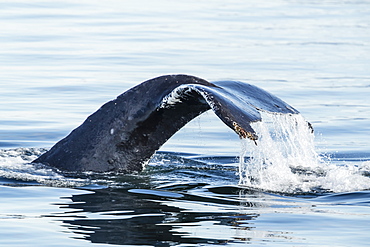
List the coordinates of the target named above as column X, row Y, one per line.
column 124, row 133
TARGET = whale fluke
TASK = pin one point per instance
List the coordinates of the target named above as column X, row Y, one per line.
column 124, row 133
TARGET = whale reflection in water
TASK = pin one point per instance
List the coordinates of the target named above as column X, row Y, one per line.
column 127, row 216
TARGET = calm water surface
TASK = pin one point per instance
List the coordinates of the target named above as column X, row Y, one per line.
column 59, row 62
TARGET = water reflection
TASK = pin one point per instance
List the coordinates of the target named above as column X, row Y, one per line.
column 128, row 216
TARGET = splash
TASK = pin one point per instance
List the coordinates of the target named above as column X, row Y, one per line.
column 285, row 160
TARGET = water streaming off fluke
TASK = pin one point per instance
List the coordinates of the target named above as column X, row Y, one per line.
column 285, row 160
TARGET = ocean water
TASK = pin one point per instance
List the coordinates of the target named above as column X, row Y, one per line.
column 60, row 61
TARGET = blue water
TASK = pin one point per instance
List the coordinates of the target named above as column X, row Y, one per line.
column 59, row 62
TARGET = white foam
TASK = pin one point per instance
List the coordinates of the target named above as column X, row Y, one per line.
column 174, row 97
column 178, row 95
column 285, row 160
column 15, row 165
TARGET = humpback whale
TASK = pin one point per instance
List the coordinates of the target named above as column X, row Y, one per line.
column 124, row 133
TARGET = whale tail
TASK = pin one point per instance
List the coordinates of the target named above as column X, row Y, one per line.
column 124, row 133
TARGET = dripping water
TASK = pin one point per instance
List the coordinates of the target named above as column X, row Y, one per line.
column 285, row 160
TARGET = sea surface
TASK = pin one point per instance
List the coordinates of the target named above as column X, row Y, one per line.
column 61, row 60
